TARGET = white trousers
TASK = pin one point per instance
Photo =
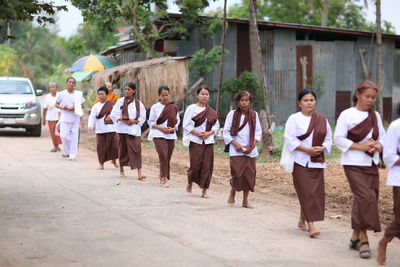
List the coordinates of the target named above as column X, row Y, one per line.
column 69, row 133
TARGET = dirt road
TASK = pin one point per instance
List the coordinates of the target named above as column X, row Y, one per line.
column 55, row 212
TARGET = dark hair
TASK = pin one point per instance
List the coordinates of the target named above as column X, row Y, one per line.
column 163, row 88
column 205, row 87
column 131, row 85
column 362, row 86
column 69, row 78
column 104, row 89
column 239, row 95
column 304, row 92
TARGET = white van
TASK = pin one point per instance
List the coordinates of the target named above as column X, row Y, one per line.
column 19, row 107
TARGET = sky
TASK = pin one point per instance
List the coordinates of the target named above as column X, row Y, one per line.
column 68, row 22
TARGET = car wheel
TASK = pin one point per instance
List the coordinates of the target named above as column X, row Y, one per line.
column 36, row 131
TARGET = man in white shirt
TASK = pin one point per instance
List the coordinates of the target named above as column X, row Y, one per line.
column 70, row 102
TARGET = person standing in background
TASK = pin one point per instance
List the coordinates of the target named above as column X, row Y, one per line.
column 51, row 114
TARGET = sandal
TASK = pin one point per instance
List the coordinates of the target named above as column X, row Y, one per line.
column 353, row 244
column 366, row 253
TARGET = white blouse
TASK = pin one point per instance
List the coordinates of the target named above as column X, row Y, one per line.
column 120, row 126
column 188, row 125
column 243, row 135
column 155, row 113
column 94, row 122
column 346, row 121
column 50, row 104
column 297, row 125
column 390, row 150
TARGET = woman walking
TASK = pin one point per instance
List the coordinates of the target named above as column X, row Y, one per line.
column 129, row 114
column 242, row 131
column 308, row 134
column 358, row 135
column 107, row 139
column 391, row 157
column 163, row 122
column 51, row 114
column 200, row 125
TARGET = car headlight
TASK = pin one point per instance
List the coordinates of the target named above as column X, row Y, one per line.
column 30, row 105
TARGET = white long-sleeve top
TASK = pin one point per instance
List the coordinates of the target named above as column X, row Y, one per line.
column 121, row 127
column 296, row 125
column 348, row 119
column 155, row 113
column 390, row 150
column 243, row 135
column 188, row 125
column 98, row 124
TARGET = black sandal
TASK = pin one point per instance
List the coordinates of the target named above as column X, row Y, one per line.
column 366, row 253
column 354, row 243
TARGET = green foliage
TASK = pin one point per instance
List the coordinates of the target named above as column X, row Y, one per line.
column 317, row 85
column 146, row 23
column 7, row 60
column 247, row 81
column 347, row 14
column 29, row 10
column 202, row 64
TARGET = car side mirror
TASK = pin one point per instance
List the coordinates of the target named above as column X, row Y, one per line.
column 39, row 92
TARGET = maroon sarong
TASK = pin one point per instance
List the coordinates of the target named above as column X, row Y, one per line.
column 209, row 114
column 393, row 229
column 310, row 189
column 201, row 164
column 250, row 118
column 164, row 148
column 130, row 151
column 107, row 147
column 243, row 171
column 318, row 125
column 364, row 183
column 168, row 113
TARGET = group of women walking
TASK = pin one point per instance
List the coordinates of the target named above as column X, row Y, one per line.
column 359, row 134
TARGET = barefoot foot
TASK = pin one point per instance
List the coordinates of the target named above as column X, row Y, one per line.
column 189, row 188
column 231, row 198
column 247, row 205
column 302, row 226
column 114, row 162
column 381, row 252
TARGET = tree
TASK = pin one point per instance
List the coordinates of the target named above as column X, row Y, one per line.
column 379, row 56
column 7, row 60
column 221, row 66
column 148, row 25
column 259, row 69
column 29, row 10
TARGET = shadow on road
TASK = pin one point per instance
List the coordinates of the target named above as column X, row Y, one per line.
column 10, row 132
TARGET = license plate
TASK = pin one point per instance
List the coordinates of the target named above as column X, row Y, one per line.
column 9, row 121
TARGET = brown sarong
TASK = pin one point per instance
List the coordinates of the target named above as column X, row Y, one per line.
column 164, row 148
column 201, row 164
column 250, row 118
column 107, row 147
column 130, row 151
column 393, row 229
column 310, row 188
column 243, row 171
column 54, row 138
column 364, row 183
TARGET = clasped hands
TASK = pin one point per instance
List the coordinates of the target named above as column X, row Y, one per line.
column 371, row 146
column 243, row 149
column 129, row 121
column 202, row 135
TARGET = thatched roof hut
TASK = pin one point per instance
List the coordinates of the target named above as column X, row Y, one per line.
column 149, row 75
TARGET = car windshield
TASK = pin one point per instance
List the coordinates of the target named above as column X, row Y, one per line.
column 15, row 87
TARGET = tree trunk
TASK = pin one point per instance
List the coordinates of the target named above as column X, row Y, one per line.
column 325, row 13
column 258, row 68
column 379, row 57
column 221, row 66
column 363, row 64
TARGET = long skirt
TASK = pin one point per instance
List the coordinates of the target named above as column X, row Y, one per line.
column 54, row 138
column 107, row 147
column 130, row 151
column 201, row 164
column 310, row 188
column 164, row 148
column 243, row 172
column 364, row 184
column 393, row 229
